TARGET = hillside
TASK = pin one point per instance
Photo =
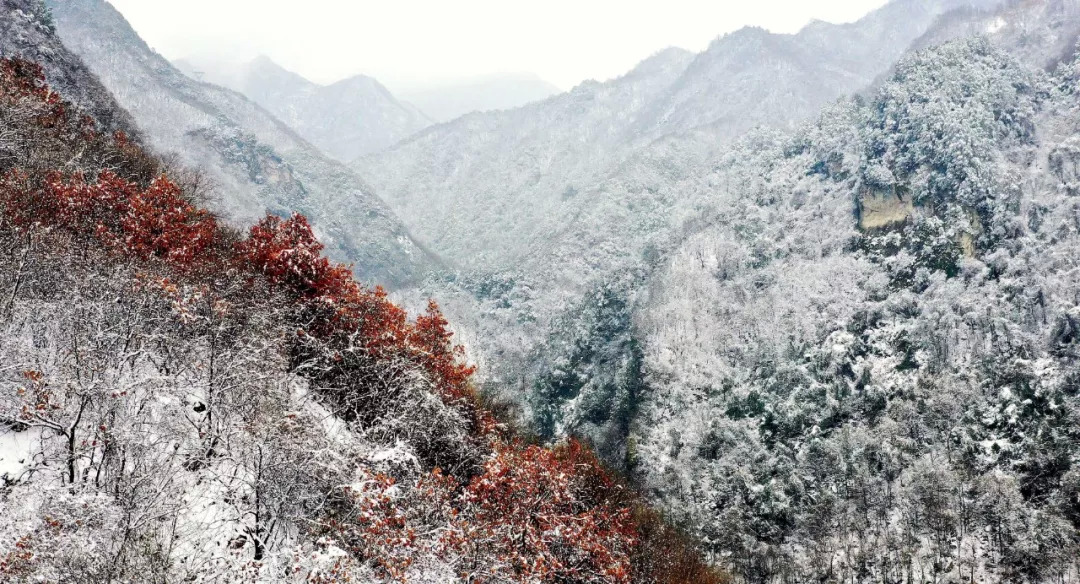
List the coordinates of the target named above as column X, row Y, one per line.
column 812, row 298
column 538, row 209
column 27, row 31
column 252, row 162
column 346, row 120
column 185, row 402
column 547, row 208
column 840, row 351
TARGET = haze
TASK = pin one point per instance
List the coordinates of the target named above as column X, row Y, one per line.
column 412, row 43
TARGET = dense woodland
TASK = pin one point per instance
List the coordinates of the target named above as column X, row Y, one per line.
column 888, row 338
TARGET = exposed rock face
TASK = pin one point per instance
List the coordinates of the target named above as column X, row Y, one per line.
column 879, row 208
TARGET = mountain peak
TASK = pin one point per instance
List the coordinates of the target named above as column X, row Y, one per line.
column 262, row 60
column 262, row 74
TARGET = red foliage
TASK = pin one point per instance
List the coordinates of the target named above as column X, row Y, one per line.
column 161, row 224
column 532, row 514
column 18, row 561
column 22, row 86
column 381, row 529
column 152, row 223
column 84, row 208
column 443, row 361
column 25, row 79
column 288, row 255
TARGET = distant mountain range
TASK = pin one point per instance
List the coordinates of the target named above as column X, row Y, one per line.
column 358, row 115
column 486, row 190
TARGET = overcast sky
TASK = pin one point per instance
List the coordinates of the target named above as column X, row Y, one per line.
column 407, row 42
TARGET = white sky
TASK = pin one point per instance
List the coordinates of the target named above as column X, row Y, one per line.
column 417, row 42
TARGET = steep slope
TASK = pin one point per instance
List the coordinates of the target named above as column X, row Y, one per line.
column 1041, row 34
column 255, row 161
column 724, row 363
column 348, row 119
column 449, row 101
column 27, row 31
column 545, row 237
column 754, row 78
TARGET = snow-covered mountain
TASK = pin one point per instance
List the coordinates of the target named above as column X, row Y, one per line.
column 452, row 99
column 755, row 78
column 347, row 119
column 1041, row 34
column 824, row 385
column 255, row 162
column 488, row 189
column 485, row 187
column 541, row 205
column 180, row 402
column 806, row 341
column 834, row 336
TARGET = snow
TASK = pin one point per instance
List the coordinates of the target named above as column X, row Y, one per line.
column 17, row 451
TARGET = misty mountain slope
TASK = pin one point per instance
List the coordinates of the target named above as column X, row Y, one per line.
column 27, row 31
column 565, row 233
column 185, row 403
column 255, row 161
column 346, row 120
column 698, row 341
column 755, row 78
column 1041, row 34
column 679, row 173
column 448, row 101
column 482, row 188
column 550, row 313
